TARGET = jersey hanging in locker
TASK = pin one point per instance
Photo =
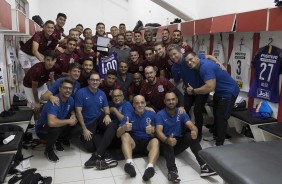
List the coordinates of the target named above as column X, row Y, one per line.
column 240, row 67
column 267, row 70
column 106, row 63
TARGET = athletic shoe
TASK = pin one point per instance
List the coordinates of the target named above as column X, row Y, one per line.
column 149, row 173
column 92, row 161
column 130, row 169
column 206, row 171
column 66, row 143
column 102, row 163
column 51, row 156
column 58, row 146
column 173, row 176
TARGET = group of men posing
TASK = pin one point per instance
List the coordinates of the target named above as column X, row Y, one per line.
column 146, row 116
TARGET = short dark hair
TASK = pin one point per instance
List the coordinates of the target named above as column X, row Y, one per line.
column 191, row 52
column 166, row 29
column 88, row 39
column 113, row 27
column 71, row 39
column 176, row 30
column 74, row 65
column 173, row 47
column 149, row 48
column 66, row 80
column 50, row 53
column 121, row 35
column 112, row 72
column 139, row 32
column 128, row 32
column 79, row 25
column 61, row 15
column 159, row 43
column 49, row 22
column 100, row 23
column 121, row 24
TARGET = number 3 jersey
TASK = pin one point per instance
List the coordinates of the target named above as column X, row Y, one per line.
column 240, row 67
column 267, row 64
column 106, row 63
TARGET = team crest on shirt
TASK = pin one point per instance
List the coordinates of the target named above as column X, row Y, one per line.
column 68, row 108
column 101, row 99
column 71, row 60
column 148, row 121
column 140, row 68
column 177, row 118
column 160, row 88
column 120, row 109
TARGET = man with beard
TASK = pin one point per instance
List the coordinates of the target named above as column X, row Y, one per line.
column 32, row 51
column 74, row 74
column 138, row 45
column 73, row 33
column 87, row 33
column 149, row 39
column 124, row 79
column 110, row 84
column 100, row 31
column 166, row 37
column 165, row 61
column 171, row 130
column 122, row 28
column 135, row 87
column 87, row 51
column 93, row 114
column 136, row 64
column 87, row 69
column 67, row 57
column 79, row 27
column 155, row 89
column 128, row 39
column 137, row 136
column 225, row 87
column 53, row 124
column 123, row 51
column 177, row 39
column 114, row 33
column 151, row 60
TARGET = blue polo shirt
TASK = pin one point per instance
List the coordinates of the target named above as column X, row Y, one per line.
column 139, row 124
column 172, row 124
column 125, row 108
column 60, row 111
column 54, row 88
column 182, row 71
column 225, row 85
column 91, row 104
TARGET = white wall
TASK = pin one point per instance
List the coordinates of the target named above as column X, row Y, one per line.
column 111, row 12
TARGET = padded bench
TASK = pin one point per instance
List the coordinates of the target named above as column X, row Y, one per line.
column 21, row 118
column 246, row 163
column 246, row 117
column 19, row 103
column 6, row 161
column 272, row 131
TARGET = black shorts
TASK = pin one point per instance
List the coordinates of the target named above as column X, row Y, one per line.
column 141, row 146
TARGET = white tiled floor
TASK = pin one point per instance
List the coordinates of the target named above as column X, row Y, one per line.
column 70, row 170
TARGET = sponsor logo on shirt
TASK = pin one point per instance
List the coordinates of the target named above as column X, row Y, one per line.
column 160, row 88
column 262, row 93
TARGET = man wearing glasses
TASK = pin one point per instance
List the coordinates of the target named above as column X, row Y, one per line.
column 93, row 114
column 53, row 124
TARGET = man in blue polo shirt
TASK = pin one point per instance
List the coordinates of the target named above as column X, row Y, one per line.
column 171, row 130
column 137, row 136
column 180, row 71
column 53, row 124
column 74, row 74
column 93, row 114
column 226, row 92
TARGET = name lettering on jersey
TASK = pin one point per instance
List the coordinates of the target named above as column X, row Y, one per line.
column 268, row 58
column 160, row 88
column 240, row 55
column 263, row 93
column 101, row 99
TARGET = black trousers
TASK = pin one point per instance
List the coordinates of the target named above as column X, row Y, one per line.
column 221, row 112
column 53, row 134
column 182, row 144
column 102, row 136
column 199, row 102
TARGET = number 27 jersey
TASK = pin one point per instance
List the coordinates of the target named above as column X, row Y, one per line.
column 267, row 70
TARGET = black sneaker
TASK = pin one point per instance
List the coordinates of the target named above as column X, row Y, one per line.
column 130, row 169
column 92, row 161
column 66, row 143
column 206, row 171
column 103, row 163
column 173, row 176
column 51, row 156
column 59, row 147
column 149, row 173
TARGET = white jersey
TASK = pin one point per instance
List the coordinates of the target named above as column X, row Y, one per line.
column 203, row 49
column 239, row 61
column 218, row 52
column 11, row 65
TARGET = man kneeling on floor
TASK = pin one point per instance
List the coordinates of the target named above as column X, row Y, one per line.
column 53, row 124
column 171, row 131
column 137, row 136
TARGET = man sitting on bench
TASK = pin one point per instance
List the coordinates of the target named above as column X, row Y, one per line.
column 52, row 125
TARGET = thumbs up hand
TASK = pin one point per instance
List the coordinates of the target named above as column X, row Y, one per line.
column 190, row 89
column 127, row 126
column 171, row 140
column 149, row 128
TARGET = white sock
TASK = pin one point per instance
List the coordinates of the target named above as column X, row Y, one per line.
column 150, row 165
column 129, row 161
